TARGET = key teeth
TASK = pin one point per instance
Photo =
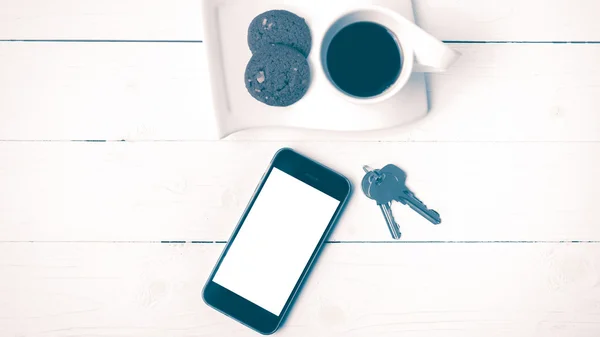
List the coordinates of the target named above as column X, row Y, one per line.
column 439, row 221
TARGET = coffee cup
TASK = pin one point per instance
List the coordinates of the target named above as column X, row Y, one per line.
column 369, row 54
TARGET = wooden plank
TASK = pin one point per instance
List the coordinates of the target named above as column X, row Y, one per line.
column 514, row 20
column 498, row 92
column 104, row 91
column 152, row 191
column 112, row 20
column 151, row 91
column 412, row 290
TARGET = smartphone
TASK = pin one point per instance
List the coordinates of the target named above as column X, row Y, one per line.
column 276, row 241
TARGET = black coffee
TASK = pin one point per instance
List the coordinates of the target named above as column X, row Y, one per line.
column 363, row 59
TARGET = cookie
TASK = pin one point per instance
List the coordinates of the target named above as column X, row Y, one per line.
column 277, row 75
column 279, row 27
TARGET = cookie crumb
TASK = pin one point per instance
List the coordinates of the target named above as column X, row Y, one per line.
column 261, row 77
column 257, row 90
column 264, row 21
column 295, row 69
column 270, row 25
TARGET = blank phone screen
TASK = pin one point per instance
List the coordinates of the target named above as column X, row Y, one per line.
column 276, row 241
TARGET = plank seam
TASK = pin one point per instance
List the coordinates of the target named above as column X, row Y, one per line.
column 328, row 242
column 258, row 141
column 519, row 42
column 101, row 41
column 201, row 41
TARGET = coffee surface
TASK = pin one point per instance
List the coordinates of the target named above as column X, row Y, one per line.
column 364, row 59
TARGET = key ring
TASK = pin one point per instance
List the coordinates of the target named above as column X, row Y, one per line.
column 377, row 176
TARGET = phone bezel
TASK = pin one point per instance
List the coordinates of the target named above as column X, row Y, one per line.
column 312, row 173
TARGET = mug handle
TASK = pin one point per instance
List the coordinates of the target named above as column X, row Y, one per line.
column 430, row 54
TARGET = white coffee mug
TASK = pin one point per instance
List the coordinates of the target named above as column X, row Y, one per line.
column 420, row 52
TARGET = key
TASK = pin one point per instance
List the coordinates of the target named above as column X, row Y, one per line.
column 407, row 197
column 379, row 187
column 374, row 187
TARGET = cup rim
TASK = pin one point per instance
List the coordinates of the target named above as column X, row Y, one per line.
column 406, row 55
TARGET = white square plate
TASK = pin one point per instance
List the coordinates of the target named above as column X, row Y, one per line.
column 322, row 108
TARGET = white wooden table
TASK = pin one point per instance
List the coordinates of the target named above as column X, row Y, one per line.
column 115, row 203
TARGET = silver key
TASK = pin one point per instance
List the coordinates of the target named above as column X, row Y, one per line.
column 407, row 197
column 380, row 187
